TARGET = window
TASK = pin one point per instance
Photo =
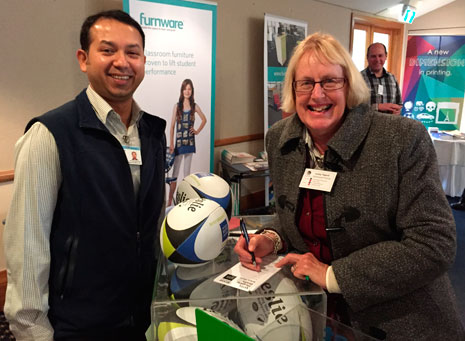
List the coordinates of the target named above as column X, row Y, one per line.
column 360, row 43
column 368, row 30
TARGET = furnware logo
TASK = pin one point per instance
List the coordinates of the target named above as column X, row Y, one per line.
column 160, row 23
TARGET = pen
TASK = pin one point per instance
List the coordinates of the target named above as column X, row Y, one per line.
column 247, row 239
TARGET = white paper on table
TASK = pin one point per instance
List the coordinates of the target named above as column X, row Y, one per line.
column 240, row 277
column 453, row 132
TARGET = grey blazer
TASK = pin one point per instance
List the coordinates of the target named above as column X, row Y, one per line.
column 391, row 231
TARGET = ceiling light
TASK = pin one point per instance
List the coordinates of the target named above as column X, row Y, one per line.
column 408, row 14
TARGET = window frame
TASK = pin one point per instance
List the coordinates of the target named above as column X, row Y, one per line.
column 393, row 28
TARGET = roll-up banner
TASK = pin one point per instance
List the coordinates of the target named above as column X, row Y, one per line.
column 281, row 36
column 434, row 81
column 180, row 50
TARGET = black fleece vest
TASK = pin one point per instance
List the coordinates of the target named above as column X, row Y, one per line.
column 104, row 240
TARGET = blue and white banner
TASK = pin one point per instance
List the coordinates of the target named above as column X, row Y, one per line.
column 180, row 45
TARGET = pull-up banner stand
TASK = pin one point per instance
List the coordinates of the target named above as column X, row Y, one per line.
column 180, row 44
column 281, row 36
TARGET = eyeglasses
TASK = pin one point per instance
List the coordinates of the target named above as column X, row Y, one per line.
column 327, row 84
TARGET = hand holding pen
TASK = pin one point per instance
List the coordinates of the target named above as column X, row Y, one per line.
column 255, row 245
column 247, row 240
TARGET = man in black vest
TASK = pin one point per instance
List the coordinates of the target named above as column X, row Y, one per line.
column 81, row 233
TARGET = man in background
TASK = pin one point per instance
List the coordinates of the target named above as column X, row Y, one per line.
column 82, row 227
column 385, row 93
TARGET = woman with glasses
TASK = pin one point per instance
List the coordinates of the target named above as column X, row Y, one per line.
column 360, row 208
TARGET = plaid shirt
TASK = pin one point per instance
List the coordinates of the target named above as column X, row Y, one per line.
column 391, row 91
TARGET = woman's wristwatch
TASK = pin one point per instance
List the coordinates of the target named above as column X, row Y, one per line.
column 275, row 238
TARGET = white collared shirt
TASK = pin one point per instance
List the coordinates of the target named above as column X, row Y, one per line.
column 116, row 127
column 316, row 159
column 27, row 232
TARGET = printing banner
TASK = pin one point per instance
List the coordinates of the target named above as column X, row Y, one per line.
column 180, row 47
column 434, row 81
column 281, row 36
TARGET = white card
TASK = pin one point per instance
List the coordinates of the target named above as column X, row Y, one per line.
column 318, row 179
column 133, row 155
column 380, row 89
column 240, row 277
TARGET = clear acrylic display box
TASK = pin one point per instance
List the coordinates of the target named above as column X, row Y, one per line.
column 284, row 308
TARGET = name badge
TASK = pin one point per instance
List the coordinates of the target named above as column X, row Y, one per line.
column 133, row 155
column 380, row 89
column 318, row 179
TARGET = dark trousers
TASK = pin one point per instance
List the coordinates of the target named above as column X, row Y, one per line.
column 462, row 198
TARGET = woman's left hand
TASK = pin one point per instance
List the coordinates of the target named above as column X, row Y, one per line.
column 306, row 265
column 194, row 132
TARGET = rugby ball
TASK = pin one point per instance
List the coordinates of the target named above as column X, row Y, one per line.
column 224, row 261
column 276, row 317
column 194, row 232
column 176, row 331
column 180, row 288
column 224, row 300
column 185, row 279
column 205, row 185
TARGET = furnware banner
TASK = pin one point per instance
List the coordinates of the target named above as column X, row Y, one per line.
column 180, row 47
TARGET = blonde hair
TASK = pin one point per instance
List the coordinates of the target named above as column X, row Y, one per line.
column 325, row 48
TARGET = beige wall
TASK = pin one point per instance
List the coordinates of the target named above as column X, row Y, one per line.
column 449, row 19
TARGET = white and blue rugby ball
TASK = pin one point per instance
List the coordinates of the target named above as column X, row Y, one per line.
column 184, row 280
column 194, row 232
column 224, row 297
column 208, row 186
column 278, row 317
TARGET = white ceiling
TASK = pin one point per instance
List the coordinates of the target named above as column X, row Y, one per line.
column 389, row 8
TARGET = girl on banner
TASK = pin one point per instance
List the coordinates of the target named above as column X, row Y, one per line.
column 183, row 146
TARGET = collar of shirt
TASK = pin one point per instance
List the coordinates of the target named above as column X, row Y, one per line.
column 316, row 159
column 103, row 109
column 112, row 121
column 372, row 74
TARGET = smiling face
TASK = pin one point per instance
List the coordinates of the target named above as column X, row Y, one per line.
column 187, row 92
column 115, row 60
column 376, row 57
column 321, row 111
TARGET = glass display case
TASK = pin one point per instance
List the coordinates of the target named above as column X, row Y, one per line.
column 283, row 308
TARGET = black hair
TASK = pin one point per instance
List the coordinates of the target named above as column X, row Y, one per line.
column 369, row 47
column 112, row 14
